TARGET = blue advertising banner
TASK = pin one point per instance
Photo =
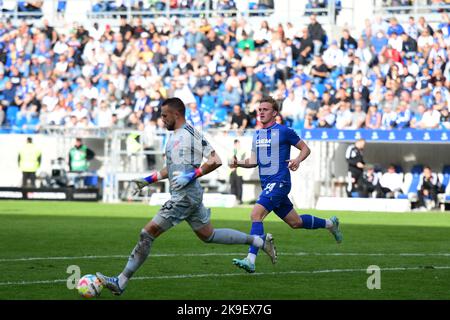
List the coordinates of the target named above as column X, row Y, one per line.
column 412, row 135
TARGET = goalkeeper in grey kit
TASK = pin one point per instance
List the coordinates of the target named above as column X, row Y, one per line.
column 185, row 152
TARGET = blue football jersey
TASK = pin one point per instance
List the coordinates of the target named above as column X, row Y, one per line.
column 272, row 147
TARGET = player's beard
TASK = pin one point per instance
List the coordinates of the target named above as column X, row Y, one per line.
column 170, row 126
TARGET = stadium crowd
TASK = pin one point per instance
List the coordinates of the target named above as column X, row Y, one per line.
column 386, row 76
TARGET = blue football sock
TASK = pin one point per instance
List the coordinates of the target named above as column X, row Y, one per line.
column 257, row 229
column 311, row 222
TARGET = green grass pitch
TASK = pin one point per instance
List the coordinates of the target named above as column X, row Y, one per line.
column 39, row 240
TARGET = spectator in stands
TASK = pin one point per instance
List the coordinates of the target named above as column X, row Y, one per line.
column 80, row 111
column 379, row 42
column 333, row 56
column 422, row 24
column 105, row 64
column 347, row 41
column 317, row 34
column 389, row 117
column 309, row 122
column 425, row 42
column 319, row 70
column 325, row 118
column 248, row 80
column 358, row 116
column 9, row 94
column 379, row 24
column 404, row 116
column 390, row 99
column 236, row 180
column 263, row 35
column 416, row 121
column 303, row 47
column 343, row 115
column 313, row 102
column 431, row 118
column 445, row 118
column 239, row 119
column 391, row 182
column 103, row 115
column 230, row 97
column 195, row 117
column 409, row 46
column 394, row 27
column 428, row 188
column 369, row 183
column 290, row 107
column 411, row 28
column 246, row 42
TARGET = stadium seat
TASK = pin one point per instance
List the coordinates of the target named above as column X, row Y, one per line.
column 298, row 124
column 11, row 114
column 207, row 104
column 18, row 125
column 219, row 115
column 444, row 178
column 417, row 169
column 197, row 100
column 91, row 181
column 411, row 182
column 320, row 89
column 192, row 51
column 31, row 125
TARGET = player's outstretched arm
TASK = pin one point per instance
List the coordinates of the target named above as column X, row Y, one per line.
column 154, row 177
column 304, row 153
column 213, row 162
column 246, row 163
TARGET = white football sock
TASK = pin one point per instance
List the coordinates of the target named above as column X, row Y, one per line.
column 328, row 223
column 123, row 280
column 251, row 257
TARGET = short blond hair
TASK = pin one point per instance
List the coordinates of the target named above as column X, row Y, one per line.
column 272, row 102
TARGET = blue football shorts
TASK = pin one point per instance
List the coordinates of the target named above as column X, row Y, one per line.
column 274, row 197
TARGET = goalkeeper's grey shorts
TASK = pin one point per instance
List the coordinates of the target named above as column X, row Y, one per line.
column 175, row 211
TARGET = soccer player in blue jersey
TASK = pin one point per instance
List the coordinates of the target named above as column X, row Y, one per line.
column 271, row 153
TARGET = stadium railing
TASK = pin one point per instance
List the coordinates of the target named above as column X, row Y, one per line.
column 185, row 13
column 17, row 15
column 414, row 10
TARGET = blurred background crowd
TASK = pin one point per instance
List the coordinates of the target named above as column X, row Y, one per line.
column 386, row 76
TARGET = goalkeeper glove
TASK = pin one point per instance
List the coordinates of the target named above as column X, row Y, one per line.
column 183, row 179
column 142, row 183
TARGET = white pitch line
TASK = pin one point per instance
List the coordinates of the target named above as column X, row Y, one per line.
column 215, row 275
column 443, row 254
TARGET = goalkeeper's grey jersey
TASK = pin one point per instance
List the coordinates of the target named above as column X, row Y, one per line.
column 185, row 151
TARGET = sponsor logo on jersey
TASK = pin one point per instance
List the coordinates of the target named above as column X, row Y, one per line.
column 263, row 142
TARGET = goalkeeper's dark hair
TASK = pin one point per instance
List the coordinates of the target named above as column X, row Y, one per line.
column 175, row 104
column 272, row 101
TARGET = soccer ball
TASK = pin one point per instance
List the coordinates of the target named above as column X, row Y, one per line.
column 89, row 286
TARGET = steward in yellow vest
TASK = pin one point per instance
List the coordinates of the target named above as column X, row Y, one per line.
column 29, row 162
